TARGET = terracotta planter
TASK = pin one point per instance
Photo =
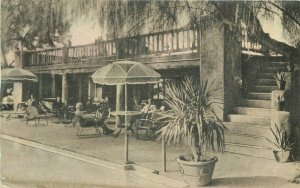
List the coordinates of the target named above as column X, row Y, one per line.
column 281, row 84
column 196, row 173
column 281, row 156
column 279, row 106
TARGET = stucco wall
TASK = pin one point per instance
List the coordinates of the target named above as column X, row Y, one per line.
column 295, row 111
column 221, row 62
column 232, row 70
column 212, row 59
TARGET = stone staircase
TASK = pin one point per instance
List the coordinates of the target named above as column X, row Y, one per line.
column 249, row 122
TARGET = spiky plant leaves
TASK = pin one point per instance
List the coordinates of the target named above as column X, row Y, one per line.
column 191, row 117
column 282, row 140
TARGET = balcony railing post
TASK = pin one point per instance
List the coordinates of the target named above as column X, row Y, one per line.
column 65, row 54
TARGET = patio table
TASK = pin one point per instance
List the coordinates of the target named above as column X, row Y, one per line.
column 130, row 115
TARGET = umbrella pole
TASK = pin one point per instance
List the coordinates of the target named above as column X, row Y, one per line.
column 126, row 132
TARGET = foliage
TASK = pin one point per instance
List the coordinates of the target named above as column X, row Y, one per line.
column 191, row 117
column 282, row 141
column 31, row 24
column 280, row 76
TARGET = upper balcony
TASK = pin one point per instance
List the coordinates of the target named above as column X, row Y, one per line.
column 160, row 49
column 176, row 48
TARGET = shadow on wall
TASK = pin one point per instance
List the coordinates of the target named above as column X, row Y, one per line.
column 256, row 181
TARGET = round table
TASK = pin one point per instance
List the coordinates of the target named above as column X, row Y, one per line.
column 130, row 115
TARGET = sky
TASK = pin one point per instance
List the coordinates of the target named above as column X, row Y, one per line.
column 83, row 32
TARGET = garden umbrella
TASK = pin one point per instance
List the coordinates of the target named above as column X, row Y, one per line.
column 123, row 73
column 17, row 75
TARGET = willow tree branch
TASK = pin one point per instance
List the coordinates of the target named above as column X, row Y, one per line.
column 285, row 12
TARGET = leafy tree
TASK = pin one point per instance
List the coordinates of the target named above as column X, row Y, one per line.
column 129, row 17
column 31, row 24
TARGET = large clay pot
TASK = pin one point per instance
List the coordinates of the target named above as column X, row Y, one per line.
column 281, row 156
column 281, row 84
column 279, row 106
column 196, row 173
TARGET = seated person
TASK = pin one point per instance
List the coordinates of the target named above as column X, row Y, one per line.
column 58, row 104
column 100, row 118
column 32, row 102
column 148, row 108
column 90, row 108
column 7, row 103
column 60, row 110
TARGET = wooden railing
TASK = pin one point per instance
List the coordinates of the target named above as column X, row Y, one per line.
column 253, row 46
column 166, row 42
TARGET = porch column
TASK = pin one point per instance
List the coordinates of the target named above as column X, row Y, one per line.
column 64, row 92
column 91, row 89
column 79, row 87
column 18, row 86
column 40, row 86
column 119, row 102
column 17, row 94
column 53, row 86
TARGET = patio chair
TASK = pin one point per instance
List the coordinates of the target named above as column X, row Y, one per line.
column 36, row 114
column 87, row 122
column 65, row 114
column 148, row 122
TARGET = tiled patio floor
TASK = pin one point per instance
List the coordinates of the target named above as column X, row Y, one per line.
column 232, row 169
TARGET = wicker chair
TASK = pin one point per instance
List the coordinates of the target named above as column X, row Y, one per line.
column 85, row 123
column 36, row 114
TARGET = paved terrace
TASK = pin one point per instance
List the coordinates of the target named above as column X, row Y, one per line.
column 232, row 170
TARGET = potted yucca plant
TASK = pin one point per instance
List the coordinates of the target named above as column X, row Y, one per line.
column 281, row 143
column 280, row 78
column 191, row 119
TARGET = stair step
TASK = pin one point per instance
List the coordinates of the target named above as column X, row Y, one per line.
column 263, row 121
column 254, row 151
column 267, row 82
column 267, row 89
column 245, row 128
column 260, row 96
column 255, row 103
column 248, row 140
column 274, row 69
column 276, row 64
column 262, row 112
column 265, row 75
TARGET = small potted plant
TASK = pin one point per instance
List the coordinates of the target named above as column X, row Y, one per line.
column 279, row 104
column 290, row 67
column 191, row 119
column 280, row 78
column 282, row 144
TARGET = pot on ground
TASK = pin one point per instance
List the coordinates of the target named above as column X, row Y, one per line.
column 281, row 84
column 279, row 106
column 281, row 156
column 196, row 173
